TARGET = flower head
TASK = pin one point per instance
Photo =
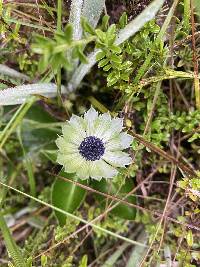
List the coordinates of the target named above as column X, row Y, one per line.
column 91, row 146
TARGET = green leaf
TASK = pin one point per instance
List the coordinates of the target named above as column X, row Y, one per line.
column 194, row 137
column 101, row 35
column 57, row 61
column 122, row 210
column 44, row 62
column 116, row 49
column 83, row 262
column 103, row 62
column 107, row 67
column 105, row 21
column 67, row 195
column 189, row 238
column 67, row 64
column 123, row 20
column 116, row 59
column 81, row 56
column 111, row 30
column 68, row 33
column 44, row 260
column 112, row 81
column 87, row 27
column 33, row 135
column 100, row 55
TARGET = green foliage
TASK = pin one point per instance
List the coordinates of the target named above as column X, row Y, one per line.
column 59, row 51
column 69, row 227
column 121, row 61
column 185, row 121
column 134, row 68
column 110, row 58
column 192, row 187
column 83, row 261
column 111, row 222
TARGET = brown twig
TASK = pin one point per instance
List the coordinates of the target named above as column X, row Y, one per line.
column 122, row 200
column 185, row 168
column 7, row 83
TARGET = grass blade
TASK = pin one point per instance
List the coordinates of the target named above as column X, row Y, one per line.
column 92, row 11
column 5, row 70
column 19, row 94
column 95, row 226
column 15, row 121
column 75, row 18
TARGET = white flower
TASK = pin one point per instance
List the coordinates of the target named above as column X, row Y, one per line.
column 91, row 146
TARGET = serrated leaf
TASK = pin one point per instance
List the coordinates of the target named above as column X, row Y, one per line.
column 67, row 195
column 113, row 75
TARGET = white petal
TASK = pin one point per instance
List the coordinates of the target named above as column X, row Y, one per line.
column 117, row 158
column 126, row 140
column 100, row 169
column 71, row 162
column 117, row 124
column 90, row 117
column 94, row 171
column 103, row 126
column 116, row 127
column 78, row 124
column 83, row 171
column 119, row 142
column 71, row 135
column 107, row 128
column 66, row 147
column 91, row 114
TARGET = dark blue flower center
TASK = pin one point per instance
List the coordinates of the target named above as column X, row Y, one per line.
column 91, row 148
